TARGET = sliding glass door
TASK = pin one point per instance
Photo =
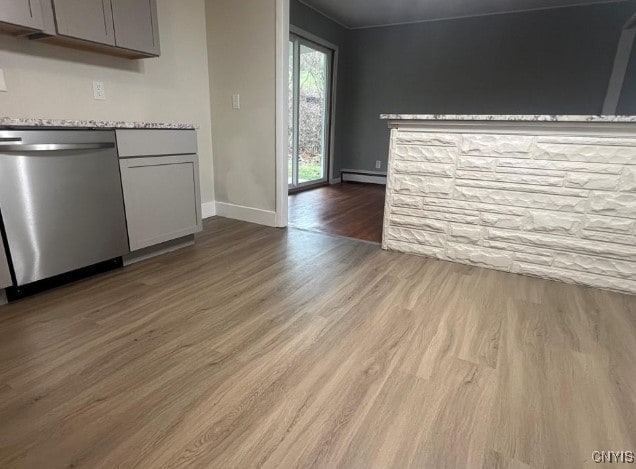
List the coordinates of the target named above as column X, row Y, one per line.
column 309, row 112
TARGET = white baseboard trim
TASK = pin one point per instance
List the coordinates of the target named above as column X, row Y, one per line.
column 370, row 177
column 208, row 209
column 335, row 181
column 249, row 214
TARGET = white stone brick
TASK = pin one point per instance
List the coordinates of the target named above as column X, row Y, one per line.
column 476, row 164
column 628, row 179
column 427, row 138
column 444, row 204
column 416, row 236
column 423, row 185
column 442, row 216
column 428, row 154
column 560, row 243
column 419, row 249
column 432, row 169
column 609, row 224
column 597, row 265
column 465, row 234
column 533, row 259
column 619, row 205
column 573, row 166
column 418, row 222
column 497, row 145
column 553, row 222
column 510, row 178
column 480, row 256
column 610, row 237
column 519, row 248
column 586, row 153
column 507, row 186
column 581, row 140
column 591, row 181
column 406, row 201
column 521, row 199
column 450, row 208
column 497, row 220
column 570, row 276
column 530, row 171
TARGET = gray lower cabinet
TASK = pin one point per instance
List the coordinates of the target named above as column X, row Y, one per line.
column 89, row 20
column 5, row 274
column 135, row 24
column 162, row 198
column 19, row 15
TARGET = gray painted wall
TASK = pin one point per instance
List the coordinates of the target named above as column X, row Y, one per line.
column 547, row 62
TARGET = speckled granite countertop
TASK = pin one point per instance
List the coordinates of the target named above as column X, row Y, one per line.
column 507, row 118
column 19, row 122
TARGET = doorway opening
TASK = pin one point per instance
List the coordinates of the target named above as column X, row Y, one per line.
column 310, row 103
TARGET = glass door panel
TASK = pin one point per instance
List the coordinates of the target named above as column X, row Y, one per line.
column 310, row 98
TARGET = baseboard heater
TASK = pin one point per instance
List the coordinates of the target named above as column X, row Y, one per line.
column 359, row 175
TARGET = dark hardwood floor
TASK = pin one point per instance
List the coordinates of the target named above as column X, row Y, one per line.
column 349, row 209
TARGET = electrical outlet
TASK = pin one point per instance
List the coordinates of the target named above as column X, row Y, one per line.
column 3, row 83
column 378, row 164
column 236, row 101
column 99, row 90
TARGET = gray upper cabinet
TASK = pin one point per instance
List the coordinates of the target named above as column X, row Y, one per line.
column 17, row 15
column 89, row 20
column 126, row 28
column 136, row 25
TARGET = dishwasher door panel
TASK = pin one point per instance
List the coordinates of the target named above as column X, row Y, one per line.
column 62, row 210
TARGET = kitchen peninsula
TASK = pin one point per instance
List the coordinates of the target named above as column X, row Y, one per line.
column 547, row 196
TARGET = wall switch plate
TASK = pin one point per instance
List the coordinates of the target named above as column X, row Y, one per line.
column 3, row 83
column 378, row 164
column 236, row 101
column 99, row 90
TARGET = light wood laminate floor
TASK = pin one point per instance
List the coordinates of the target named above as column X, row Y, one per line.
column 262, row 347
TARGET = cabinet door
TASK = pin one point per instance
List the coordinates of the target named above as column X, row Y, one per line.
column 22, row 13
column 162, row 198
column 136, row 25
column 90, row 20
column 5, row 274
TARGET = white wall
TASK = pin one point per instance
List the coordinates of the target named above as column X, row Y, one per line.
column 242, row 48
column 47, row 81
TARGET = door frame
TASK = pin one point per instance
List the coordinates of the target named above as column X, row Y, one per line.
column 282, row 119
column 333, row 72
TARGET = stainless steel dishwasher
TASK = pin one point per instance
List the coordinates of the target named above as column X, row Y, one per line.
column 61, row 201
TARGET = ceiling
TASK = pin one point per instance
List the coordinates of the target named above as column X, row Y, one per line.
column 368, row 13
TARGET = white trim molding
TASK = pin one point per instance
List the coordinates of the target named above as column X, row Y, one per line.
column 360, row 175
column 208, row 209
column 282, row 96
column 248, row 214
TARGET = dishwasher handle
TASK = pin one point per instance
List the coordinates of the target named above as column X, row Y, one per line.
column 55, row 147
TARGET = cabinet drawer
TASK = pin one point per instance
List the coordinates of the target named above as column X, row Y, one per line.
column 162, row 198
column 142, row 142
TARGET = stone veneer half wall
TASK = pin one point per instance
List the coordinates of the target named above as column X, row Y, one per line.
column 552, row 200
